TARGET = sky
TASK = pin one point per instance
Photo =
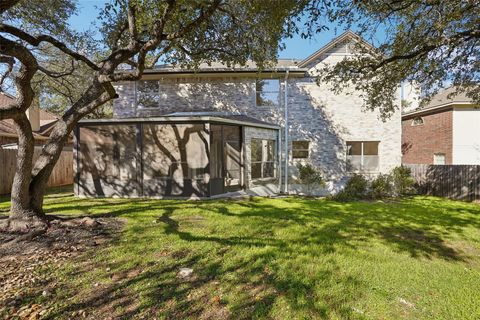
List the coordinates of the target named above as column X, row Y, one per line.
column 296, row 48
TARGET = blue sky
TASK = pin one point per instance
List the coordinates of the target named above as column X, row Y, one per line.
column 295, row 48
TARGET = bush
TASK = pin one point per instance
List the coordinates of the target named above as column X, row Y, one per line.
column 356, row 188
column 381, row 187
column 398, row 183
column 309, row 176
column 402, row 181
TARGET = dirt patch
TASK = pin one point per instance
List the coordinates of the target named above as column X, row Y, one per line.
column 27, row 262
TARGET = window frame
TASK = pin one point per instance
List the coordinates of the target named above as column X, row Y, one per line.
column 417, row 124
column 362, row 156
column 307, row 150
column 156, row 93
column 264, row 159
column 436, row 154
column 277, row 102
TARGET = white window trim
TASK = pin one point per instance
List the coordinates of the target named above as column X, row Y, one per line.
column 436, row 154
column 417, row 124
column 274, row 161
column 362, row 157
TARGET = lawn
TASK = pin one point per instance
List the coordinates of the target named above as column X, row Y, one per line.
column 284, row 258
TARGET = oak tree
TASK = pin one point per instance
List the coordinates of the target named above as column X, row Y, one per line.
column 135, row 33
column 431, row 43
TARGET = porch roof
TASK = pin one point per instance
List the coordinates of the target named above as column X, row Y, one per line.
column 186, row 117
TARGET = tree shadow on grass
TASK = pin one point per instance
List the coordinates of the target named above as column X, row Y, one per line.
column 246, row 274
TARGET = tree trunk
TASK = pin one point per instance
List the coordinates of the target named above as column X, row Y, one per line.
column 43, row 169
column 22, row 215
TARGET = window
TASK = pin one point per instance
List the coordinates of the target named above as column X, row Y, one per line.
column 148, row 94
column 300, row 149
column 267, row 93
column 362, row 156
column 439, row 158
column 417, row 121
column 263, row 158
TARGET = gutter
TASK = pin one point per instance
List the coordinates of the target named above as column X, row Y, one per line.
column 285, row 190
column 185, row 119
column 440, row 107
column 12, row 135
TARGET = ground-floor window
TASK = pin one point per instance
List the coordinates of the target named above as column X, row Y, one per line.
column 439, row 158
column 300, row 149
column 263, row 158
column 362, row 156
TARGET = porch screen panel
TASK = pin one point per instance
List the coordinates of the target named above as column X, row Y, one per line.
column 175, row 159
column 233, row 156
column 108, row 161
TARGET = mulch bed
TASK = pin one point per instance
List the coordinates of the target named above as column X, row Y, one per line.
column 26, row 258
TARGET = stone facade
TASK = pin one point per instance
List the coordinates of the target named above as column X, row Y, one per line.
column 315, row 113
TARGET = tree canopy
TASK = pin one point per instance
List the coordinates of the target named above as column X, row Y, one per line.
column 39, row 47
column 432, row 43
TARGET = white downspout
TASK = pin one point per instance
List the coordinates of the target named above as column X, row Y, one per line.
column 286, row 133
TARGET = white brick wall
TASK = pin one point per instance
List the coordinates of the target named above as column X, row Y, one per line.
column 316, row 114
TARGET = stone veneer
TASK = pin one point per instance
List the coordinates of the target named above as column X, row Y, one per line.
column 315, row 112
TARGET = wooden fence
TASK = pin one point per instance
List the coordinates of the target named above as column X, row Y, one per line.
column 62, row 173
column 460, row 182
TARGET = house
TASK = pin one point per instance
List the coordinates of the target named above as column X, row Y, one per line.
column 41, row 121
column 180, row 132
column 445, row 131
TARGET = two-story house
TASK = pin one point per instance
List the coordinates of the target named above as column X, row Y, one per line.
column 198, row 133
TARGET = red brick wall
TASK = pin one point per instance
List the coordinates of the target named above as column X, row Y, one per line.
column 420, row 142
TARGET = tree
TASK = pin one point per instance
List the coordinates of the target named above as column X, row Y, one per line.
column 433, row 43
column 137, row 33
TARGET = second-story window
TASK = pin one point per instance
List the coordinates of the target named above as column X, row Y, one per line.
column 267, row 93
column 148, row 94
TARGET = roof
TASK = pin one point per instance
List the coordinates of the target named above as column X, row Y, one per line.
column 443, row 100
column 183, row 117
column 5, row 98
column 224, row 115
column 7, row 127
column 346, row 36
column 293, row 66
column 281, row 67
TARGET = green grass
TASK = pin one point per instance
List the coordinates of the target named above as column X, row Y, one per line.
column 287, row 258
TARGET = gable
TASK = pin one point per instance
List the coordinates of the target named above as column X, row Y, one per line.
column 340, row 46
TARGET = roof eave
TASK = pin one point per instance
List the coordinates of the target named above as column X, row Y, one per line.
column 347, row 34
column 437, row 108
column 179, row 119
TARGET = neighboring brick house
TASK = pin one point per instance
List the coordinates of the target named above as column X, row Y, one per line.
column 331, row 131
column 445, row 131
column 41, row 121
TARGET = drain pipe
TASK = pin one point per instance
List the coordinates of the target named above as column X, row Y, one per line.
column 286, row 133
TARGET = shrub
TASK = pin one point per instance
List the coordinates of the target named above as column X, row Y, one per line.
column 381, row 187
column 356, row 188
column 402, row 181
column 309, row 176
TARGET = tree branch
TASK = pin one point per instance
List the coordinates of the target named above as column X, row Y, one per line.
column 10, row 62
column 36, row 40
column 7, row 4
column 22, row 80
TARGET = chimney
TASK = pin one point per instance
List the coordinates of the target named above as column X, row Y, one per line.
column 33, row 115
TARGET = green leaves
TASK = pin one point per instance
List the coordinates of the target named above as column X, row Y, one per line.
column 433, row 43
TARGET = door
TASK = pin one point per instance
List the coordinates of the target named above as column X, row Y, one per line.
column 232, row 157
column 216, row 160
column 225, row 158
